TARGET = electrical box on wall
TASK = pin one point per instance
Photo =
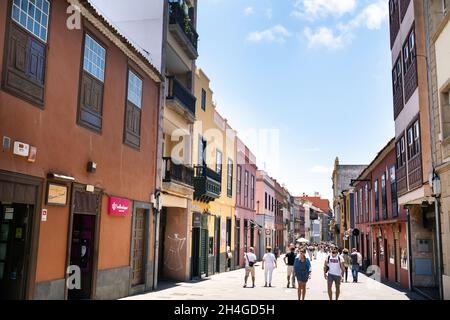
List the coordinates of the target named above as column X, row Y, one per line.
column 21, row 149
column 6, row 143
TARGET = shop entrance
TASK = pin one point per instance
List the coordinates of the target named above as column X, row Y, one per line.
column 19, row 225
column 84, row 240
column 15, row 223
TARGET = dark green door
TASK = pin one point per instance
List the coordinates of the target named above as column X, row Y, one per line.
column 15, row 222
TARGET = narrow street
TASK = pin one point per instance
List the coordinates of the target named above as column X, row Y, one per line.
column 229, row 286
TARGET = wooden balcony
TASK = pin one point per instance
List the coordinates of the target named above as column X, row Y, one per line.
column 404, row 4
column 178, row 173
column 207, row 184
column 398, row 100
column 410, row 81
column 415, row 172
column 394, row 22
column 402, row 184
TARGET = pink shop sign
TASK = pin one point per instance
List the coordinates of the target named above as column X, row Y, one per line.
column 118, row 206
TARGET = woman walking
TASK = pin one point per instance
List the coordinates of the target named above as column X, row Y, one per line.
column 302, row 269
column 347, row 262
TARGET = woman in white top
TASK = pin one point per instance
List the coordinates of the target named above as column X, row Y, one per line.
column 269, row 262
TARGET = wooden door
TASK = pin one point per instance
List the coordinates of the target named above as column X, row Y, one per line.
column 139, row 247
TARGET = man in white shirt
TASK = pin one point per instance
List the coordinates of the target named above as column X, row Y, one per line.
column 334, row 272
column 250, row 260
column 269, row 263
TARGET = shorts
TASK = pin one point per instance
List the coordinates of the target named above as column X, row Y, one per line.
column 249, row 270
column 290, row 270
column 334, row 278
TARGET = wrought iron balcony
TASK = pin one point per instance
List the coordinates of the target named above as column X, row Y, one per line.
column 182, row 96
column 181, row 25
column 207, row 184
column 177, row 173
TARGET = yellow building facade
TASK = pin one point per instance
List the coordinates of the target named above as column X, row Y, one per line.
column 214, row 159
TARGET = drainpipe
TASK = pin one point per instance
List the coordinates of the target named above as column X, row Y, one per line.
column 439, row 248
column 157, row 213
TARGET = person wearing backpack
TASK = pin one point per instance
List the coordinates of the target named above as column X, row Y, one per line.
column 334, row 272
column 250, row 260
column 356, row 260
column 289, row 260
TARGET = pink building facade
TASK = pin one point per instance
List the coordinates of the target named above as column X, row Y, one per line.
column 246, row 227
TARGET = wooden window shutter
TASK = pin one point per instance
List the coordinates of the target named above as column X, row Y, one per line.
column 36, row 61
column 91, row 102
column 26, row 60
column 133, row 125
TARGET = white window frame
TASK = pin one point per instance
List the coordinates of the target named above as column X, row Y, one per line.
column 32, row 20
column 94, row 57
column 134, row 82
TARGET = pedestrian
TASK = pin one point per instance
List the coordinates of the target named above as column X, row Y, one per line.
column 334, row 272
column 302, row 267
column 356, row 260
column 347, row 262
column 229, row 256
column 269, row 263
column 289, row 260
column 250, row 260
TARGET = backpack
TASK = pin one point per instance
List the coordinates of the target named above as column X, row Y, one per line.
column 327, row 268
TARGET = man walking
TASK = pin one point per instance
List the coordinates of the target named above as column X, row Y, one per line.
column 289, row 260
column 269, row 263
column 250, row 260
column 356, row 264
column 333, row 271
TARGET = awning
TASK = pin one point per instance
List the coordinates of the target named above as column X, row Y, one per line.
column 173, row 202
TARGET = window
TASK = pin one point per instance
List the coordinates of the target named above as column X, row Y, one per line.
column 253, row 192
column 33, row 16
column 132, row 134
column 397, row 75
column 366, row 199
column 230, row 178
column 27, row 46
column 356, row 207
column 134, row 89
column 417, row 137
column 394, row 192
column 360, row 205
column 219, row 162
column 94, row 58
column 409, row 51
column 246, row 189
column 201, row 151
column 377, row 201
column 203, row 100
column 384, row 196
column 239, row 186
column 90, row 113
column 414, row 140
column 400, row 153
column 265, row 200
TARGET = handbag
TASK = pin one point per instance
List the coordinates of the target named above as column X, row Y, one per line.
column 250, row 263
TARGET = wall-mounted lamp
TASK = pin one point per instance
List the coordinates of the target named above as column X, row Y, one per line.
column 91, row 167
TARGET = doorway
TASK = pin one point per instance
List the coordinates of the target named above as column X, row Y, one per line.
column 162, row 237
column 139, row 247
column 84, row 240
column 15, row 235
column 397, row 260
column 386, row 259
column 217, row 251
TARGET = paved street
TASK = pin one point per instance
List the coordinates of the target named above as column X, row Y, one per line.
column 229, row 286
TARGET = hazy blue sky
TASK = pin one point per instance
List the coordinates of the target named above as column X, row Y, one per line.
column 318, row 71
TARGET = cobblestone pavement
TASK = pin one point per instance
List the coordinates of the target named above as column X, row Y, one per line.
column 229, row 286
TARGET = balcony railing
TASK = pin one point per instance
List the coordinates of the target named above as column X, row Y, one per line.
column 398, row 100
column 177, row 91
column 177, row 172
column 410, row 80
column 207, row 184
column 179, row 17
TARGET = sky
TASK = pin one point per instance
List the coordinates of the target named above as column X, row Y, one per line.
column 302, row 81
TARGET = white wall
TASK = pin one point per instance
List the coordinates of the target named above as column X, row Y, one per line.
column 141, row 21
